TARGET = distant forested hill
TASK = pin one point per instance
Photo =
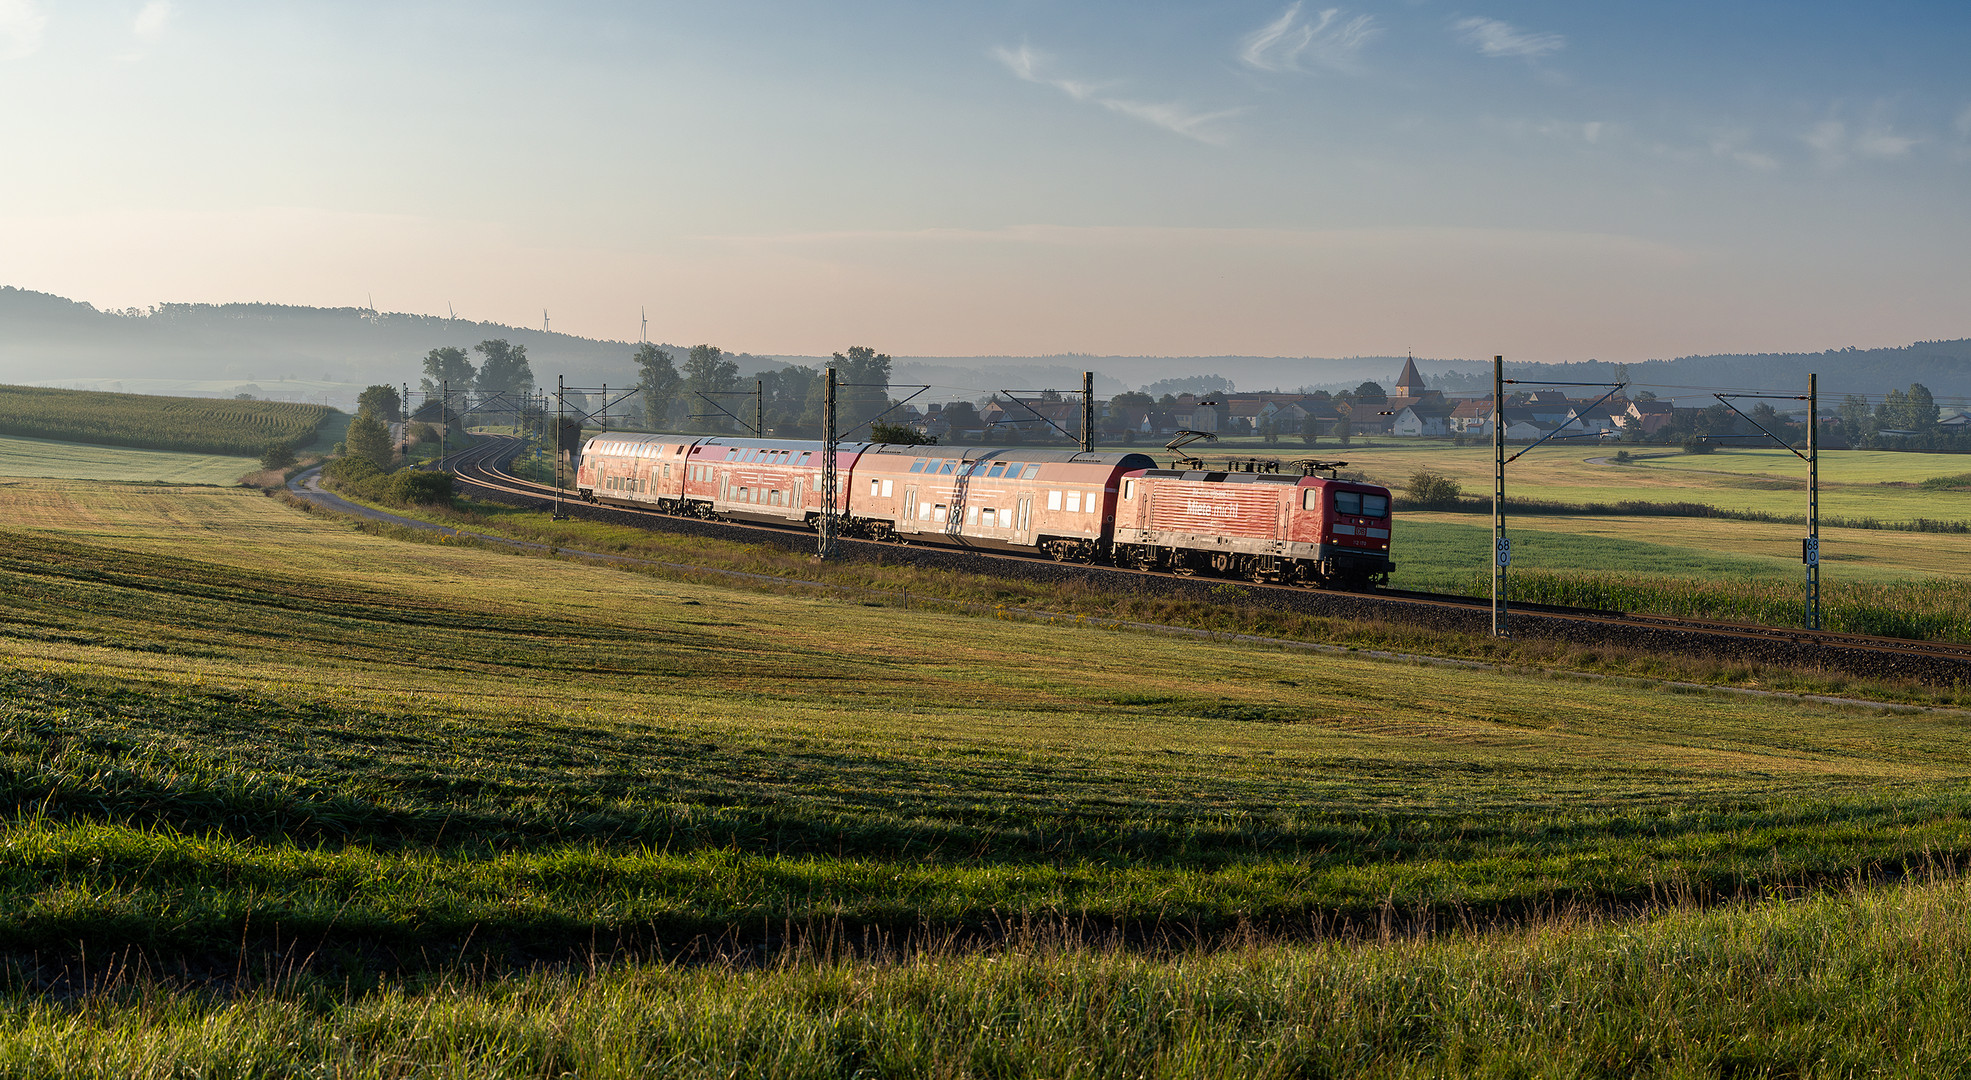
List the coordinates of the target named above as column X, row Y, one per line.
column 44, row 337
column 254, row 348
column 1943, row 366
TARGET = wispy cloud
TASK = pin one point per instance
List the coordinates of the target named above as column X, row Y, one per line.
column 21, row 24
column 1494, row 37
column 153, row 18
column 1730, row 146
column 1027, row 64
column 1835, row 144
column 1328, row 39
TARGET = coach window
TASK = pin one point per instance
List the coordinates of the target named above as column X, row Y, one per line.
column 817, row 484
column 875, row 487
column 917, row 466
column 945, row 469
column 1092, row 502
column 972, row 515
column 1074, row 502
column 923, row 511
column 1053, row 500
column 938, row 512
column 1348, row 502
column 1032, row 471
column 1375, row 506
column 998, row 467
column 889, row 488
column 987, row 517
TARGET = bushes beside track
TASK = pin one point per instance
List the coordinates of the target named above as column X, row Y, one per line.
column 361, row 478
column 1639, row 508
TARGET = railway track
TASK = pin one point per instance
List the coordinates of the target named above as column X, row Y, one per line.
column 482, row 471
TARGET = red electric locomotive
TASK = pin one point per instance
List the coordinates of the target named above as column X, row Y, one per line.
column 1266, row 526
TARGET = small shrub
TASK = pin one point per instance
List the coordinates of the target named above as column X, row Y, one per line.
column 1947, row 483
column 1697, row 444
column 278, row 455
column 419, row 486
column 1623, row 457
column 1432, row 491
column 350, row 470
column 423, row 433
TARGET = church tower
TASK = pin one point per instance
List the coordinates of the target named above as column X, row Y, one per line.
column 1410, row 384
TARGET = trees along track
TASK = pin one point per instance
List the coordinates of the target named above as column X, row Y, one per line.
column 481, row 472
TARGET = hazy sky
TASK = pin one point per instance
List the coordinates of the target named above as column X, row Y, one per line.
column 1550, row 180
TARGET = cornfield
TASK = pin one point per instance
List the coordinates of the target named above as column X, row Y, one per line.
column 195, row 425
column 1935, row 609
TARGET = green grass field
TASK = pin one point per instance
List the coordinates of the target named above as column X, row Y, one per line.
column 81, row 461
column 351, row 790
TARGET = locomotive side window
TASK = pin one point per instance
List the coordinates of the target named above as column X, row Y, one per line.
column 1310, row 498
column 1348, row 502
column 1129, row 489
column 1375, row 506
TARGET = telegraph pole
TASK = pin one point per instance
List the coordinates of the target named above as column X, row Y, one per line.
column 759, row 408
column 560, row 407
column 825, row 524
column 1087, row 411
column 1501, row 547
column 1810, row 552
column 444, row 419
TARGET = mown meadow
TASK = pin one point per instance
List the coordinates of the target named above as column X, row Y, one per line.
column 288, row 795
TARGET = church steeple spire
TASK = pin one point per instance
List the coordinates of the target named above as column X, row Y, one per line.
column 1411, row 382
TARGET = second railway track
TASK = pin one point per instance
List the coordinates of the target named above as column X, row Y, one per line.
column 481, row 470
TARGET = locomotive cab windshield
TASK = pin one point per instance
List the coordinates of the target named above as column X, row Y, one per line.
column 1361, row 504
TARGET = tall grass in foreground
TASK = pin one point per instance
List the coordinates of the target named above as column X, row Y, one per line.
column 1870, row 981
column 1935, row 609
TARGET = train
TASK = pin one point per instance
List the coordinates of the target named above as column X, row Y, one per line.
column 1254, row 522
